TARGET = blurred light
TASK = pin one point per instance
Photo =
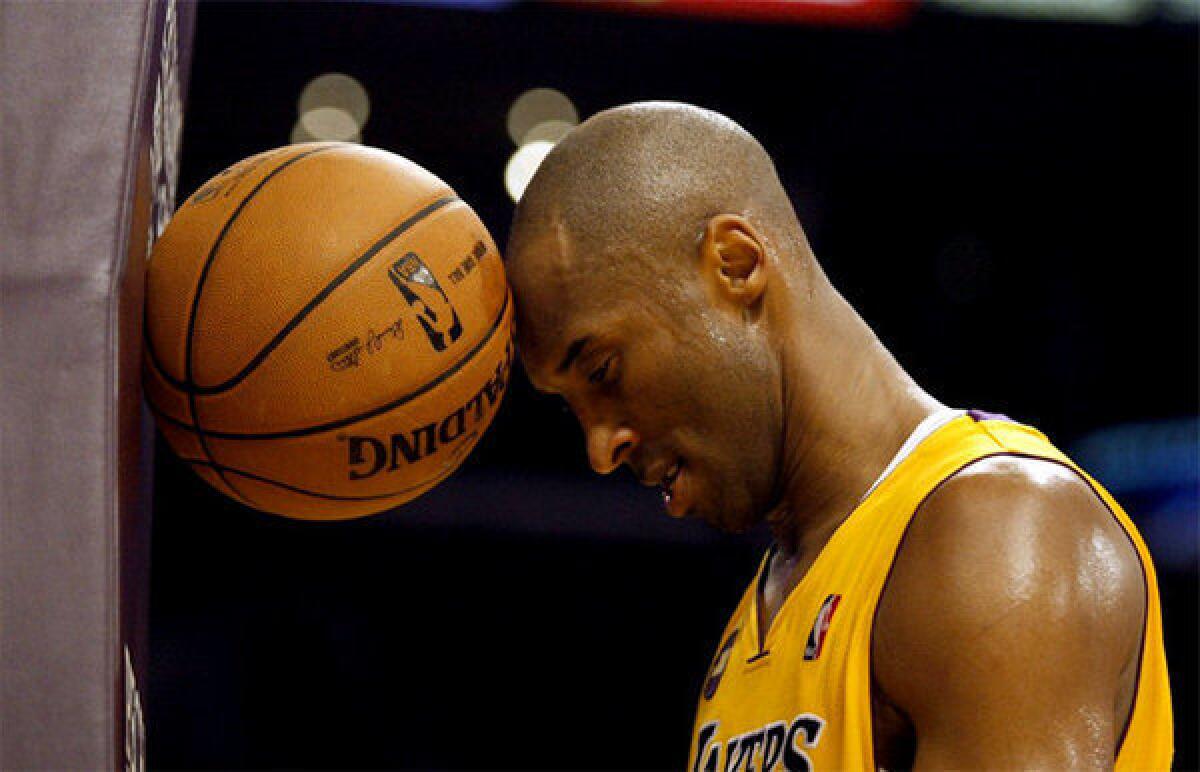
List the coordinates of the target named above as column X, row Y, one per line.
column 1116, row 11
column 550, row 131
column 865, row 13
column 334, row 89
column 536, row 107
column 1172, row 531
column 1153, row 469
column 1181, row 10
column 522, row 166
column 326, row 123
column 300, row 134
column 1139, row 457
column 475, row 5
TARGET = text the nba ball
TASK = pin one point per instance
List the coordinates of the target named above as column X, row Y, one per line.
column 328, row 331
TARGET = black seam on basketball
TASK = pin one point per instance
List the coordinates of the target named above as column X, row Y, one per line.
column 186, row 387
column 155, row 362
column 189, row 388
column 219, row 468
column 191, row 325
column 304, row 431
column 320, row 297
column 163, row 415
column 183, row 385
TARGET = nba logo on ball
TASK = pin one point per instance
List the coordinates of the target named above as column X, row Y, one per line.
column 437, row 316
column 276, row 360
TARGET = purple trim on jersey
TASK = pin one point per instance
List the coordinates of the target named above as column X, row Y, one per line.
column 983, row 415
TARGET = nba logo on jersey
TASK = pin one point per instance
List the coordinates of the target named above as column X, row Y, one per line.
column 720, row 662
column 417, row 284
column 816, row 636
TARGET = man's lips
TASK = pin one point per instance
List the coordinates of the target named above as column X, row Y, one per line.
column 666, row 478
column 670, row 500
column 667, row 481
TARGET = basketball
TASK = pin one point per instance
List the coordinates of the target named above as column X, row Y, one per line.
column 328, row 331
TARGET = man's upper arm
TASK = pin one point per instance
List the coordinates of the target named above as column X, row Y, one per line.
column 1013, row 608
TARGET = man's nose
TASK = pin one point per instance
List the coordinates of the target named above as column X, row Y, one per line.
column 608, row 447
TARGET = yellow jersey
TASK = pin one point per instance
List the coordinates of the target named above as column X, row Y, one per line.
column 804, row 701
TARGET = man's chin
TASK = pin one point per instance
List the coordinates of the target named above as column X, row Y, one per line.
column 734, row 517
column 724, row 521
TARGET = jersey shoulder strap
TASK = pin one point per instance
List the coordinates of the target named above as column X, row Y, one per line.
column 1148, row 742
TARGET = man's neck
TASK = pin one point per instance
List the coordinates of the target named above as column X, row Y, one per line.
column 848, row 408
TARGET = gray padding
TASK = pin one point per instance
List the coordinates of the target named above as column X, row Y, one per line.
column 75, row 201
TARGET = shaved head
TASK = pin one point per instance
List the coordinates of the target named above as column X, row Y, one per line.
column 640, row 259
column 638, row 182
column 623, row 201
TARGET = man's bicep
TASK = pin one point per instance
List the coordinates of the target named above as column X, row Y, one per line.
column 989, row 709
column 995, row 635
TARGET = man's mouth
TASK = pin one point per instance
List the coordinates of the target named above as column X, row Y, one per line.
column 666, row 485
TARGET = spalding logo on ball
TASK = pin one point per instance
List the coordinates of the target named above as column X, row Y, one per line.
column 328, row 331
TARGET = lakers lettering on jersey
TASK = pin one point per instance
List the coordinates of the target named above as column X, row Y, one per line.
column 802, row 699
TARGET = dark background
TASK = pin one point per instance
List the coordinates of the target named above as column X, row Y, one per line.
column 1010, row 204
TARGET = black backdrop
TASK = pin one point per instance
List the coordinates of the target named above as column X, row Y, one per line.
column 1012, row 205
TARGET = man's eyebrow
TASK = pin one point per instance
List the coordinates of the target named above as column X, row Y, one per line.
column 572, row 352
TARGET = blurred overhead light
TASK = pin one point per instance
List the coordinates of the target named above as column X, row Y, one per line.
column 522, row 166
column 550, row 131
column 333, row 89
column 1139, row 457
column 536, row 107
column 1155, row 466
column 1181, row 10
column 1113, row 11
column 857, row 13
column 300, row 134
column 475, row 5
column 332, row 106
column 326, row 123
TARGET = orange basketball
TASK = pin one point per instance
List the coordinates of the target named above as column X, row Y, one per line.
column 328, row 331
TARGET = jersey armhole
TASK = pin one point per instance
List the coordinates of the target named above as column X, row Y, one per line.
column 1064, row 462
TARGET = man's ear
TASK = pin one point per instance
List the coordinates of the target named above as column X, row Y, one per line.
column 733, row 259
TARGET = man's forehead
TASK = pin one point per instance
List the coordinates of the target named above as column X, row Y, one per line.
column 543, row 245
column 555, row 332
column 564, row 295
column 546, row 331
column 539, row 272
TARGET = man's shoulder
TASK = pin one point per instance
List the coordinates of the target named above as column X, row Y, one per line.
column 1010, row 557
column 1017, row 530
column 1036, row 506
